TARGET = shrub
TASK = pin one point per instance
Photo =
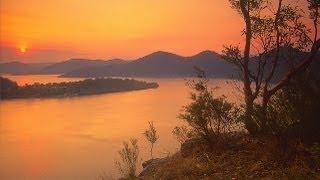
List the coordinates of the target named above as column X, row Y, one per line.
column 104, row 176
column 151, row 136
column 129, row 159
column 206, row 115
column 315, row 153
column 294, row 111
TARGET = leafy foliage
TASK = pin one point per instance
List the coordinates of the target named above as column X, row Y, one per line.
column 314, row 6
column 208, row 116
column 293, row 113
column 251, row 5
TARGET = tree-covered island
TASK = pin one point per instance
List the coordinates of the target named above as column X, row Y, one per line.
column 10, row 89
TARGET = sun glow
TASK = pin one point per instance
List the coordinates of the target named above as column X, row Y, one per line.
column 23, row 49
column 110, row 28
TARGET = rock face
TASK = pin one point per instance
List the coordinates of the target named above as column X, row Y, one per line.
column 190, row 146
column 150, row 165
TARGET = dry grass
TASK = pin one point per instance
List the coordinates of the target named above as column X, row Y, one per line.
column 240, row 157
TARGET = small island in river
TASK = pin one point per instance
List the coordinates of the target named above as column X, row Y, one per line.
column 10, row 89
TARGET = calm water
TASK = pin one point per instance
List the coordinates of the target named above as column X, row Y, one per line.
column 79, row 137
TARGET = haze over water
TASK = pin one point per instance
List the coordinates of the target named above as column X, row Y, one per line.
column 79, row 137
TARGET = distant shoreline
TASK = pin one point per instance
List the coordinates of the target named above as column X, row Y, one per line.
column 62, row 76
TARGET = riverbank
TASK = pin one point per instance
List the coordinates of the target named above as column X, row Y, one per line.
column 10, row 89
column 238, row 157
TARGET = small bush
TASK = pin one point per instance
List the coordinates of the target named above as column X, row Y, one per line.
column 129, row 159
column 315, row 153
column 293, row 113
column 104, row 176
column 207, row 115
column 151, row 136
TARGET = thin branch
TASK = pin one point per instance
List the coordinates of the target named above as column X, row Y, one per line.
column 276, row 58
column 299, row 68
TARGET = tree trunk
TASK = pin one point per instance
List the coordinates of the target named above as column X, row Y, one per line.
column 265, row 100
column 151, row 151
column 249, row 123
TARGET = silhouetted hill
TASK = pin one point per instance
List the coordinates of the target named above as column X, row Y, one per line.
column 157, row 64
column 162, row 64
column 73, row 64
column 212, row 63
column 288, row 59
column 21, row 68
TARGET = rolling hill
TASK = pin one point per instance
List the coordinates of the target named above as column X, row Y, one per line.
column 73, row 64
column 161, row 64
column 21, row 68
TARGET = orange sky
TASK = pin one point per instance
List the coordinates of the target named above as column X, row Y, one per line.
column 55, row 30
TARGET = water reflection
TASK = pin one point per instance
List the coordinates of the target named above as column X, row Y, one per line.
column 78, row 137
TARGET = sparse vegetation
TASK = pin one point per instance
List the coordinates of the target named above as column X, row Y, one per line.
column 152, row 137
column 129, row 158
column 104, row 176
column 242, row 157
column 181, row 133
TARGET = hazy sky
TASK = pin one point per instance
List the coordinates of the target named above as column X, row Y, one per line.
column 55, row 30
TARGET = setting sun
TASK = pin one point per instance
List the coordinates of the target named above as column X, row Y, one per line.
column 23, row 49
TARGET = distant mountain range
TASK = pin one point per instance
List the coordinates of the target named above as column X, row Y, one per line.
column 157, row 64
column 75, row 64
column 160, row 64
column 21, row 68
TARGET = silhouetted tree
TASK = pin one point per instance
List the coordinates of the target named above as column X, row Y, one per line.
column 267, row 32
